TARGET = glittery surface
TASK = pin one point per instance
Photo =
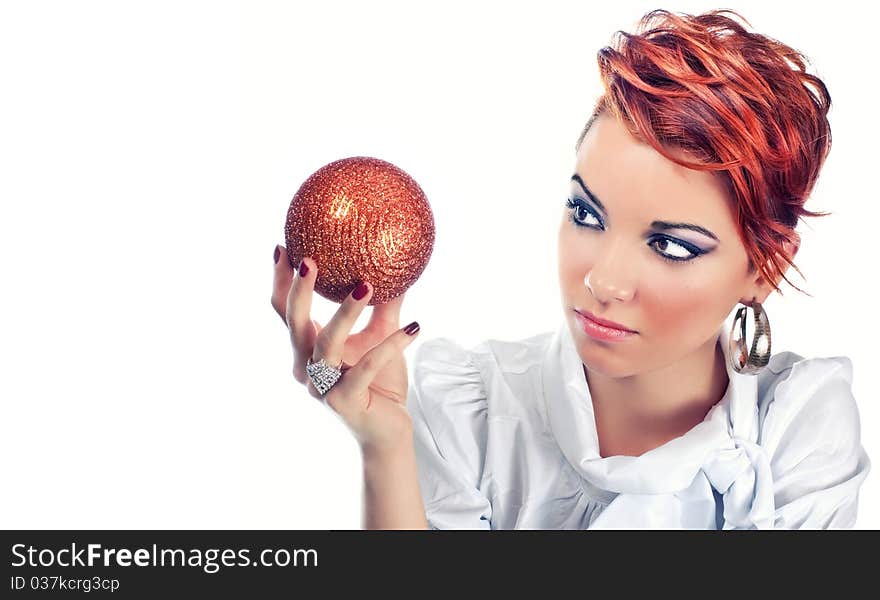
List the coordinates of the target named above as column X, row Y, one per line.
column 361, row 219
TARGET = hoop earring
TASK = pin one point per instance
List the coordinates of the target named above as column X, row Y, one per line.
column 753, row 361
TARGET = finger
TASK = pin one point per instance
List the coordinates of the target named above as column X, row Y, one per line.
column 343, row 396
column 385, row 317
column 283, row 276
column 299, row 321
column 313, row 391
column 330, row 342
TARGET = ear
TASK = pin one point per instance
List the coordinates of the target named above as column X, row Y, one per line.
column 760, row 288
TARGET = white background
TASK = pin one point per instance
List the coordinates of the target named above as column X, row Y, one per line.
column 149, row 153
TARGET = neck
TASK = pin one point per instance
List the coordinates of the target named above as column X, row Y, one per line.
column 660, row 404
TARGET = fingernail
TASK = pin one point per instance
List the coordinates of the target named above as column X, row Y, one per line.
column 277, row 253
column 303, row 268
column 360, row 291
column 412, row 328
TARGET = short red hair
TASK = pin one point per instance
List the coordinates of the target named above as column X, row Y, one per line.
column 739, row 103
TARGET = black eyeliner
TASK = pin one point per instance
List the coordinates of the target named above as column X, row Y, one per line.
column 686, row 245
column 579, row 203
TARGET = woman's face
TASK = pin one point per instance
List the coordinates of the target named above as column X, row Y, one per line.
column 674, row 286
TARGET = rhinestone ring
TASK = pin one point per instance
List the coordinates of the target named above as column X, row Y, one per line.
column 323, row 376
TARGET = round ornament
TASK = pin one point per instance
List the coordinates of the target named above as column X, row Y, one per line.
column 361, row 219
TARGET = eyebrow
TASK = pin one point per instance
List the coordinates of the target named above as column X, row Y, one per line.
column 658, row 225
column 587, row 191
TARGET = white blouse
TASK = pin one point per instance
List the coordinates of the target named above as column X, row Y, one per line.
column 505, row 438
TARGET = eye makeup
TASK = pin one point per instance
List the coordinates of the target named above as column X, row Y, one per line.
column 580, row 213
column 658, row 225
column 580, row 205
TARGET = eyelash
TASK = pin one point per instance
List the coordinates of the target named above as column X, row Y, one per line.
column 693, row 250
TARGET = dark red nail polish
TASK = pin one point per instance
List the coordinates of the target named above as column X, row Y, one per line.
column 303, row 269
column 277, row 254
column 360, row 291
column 412, row 328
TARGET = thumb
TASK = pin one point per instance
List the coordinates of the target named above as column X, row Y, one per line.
column 345, row 397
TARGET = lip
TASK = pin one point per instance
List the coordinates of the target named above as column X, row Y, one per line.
column 602, row 329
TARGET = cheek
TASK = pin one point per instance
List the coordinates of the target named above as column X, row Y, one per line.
column 687, row 301
column 672, row 300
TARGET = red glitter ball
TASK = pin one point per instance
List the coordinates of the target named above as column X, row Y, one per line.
column 361, row 219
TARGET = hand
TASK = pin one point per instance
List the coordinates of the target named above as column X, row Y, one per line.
column 370, row 396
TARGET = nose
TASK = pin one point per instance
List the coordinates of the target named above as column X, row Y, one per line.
column 610, row 278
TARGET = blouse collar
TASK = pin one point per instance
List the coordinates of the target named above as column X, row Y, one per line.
column 668, row 468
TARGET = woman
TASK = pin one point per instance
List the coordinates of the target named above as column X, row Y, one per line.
column 638, row 411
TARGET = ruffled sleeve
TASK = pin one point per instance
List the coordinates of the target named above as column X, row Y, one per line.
column 447, row 403
column 811, row 431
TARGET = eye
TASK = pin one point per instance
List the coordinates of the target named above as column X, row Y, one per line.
column 581, row 210
column 670, row 249
column 674, row 250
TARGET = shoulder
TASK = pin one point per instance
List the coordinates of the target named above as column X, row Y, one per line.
column 454, row 388
column 807, row 403
column 490, row 372
column 443, row 361
column 810, row 431
column 447, row 403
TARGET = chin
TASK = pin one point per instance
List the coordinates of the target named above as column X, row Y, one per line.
column 599, row 357
column 601, row 365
